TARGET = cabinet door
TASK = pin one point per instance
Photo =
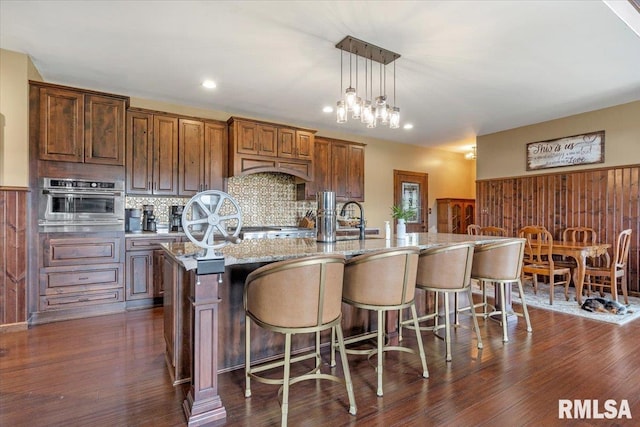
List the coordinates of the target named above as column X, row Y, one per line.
column 191, row 157
column 165, row 155
column 304, row 145
column 355, row 172
column 139, row 275
column 469, row 215
column 246, row 134
column 268, row 137
column 322, row 169
column 104, row 133
column 339, row 170
column 215, row 155
column 139, row 153
column 61, row 125
column 286, row 143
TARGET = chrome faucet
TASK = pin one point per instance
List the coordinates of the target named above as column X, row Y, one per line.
column 361, row 225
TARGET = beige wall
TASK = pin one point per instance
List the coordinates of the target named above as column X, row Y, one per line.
column 15, row 71
column 503, row 154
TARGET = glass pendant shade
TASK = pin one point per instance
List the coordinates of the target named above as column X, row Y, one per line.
column 341, row 112
column 367, row 113
column 350, row 98
column 357, row 109
column 394, row 119
column 380, row 107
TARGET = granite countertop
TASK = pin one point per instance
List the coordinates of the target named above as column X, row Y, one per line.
column 270, row 250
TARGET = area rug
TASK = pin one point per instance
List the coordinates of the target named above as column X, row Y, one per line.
column 541, row 300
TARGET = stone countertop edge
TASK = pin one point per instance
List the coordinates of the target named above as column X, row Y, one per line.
column 271, row 250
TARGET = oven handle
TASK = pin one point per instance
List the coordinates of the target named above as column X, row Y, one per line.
column 84, row 193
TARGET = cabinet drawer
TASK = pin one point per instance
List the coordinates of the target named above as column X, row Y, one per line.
column 80, row 300
column 62, row 280
column 81, row 250
column 148, row 243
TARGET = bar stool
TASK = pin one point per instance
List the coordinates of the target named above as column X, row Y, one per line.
column 383, row 281
column 446, row 270
column 293, row 297
column 501, row 264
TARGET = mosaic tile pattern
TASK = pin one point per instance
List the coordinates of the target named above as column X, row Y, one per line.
column 264, row 198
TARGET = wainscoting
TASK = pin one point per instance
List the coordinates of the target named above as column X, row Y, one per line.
column 606, row 199
column 13, row 258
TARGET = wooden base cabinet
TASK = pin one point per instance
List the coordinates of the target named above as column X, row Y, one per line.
column 144, row 257
column 80, row 274
column 455, row 215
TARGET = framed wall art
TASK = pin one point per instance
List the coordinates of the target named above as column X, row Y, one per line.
column 574, row 150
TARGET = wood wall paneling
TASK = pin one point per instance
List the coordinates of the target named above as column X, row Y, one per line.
column 606, row 199
column 13, row 257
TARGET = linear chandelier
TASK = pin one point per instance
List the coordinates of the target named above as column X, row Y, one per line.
column 359, row 100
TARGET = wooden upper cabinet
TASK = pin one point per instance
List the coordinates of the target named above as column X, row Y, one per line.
column 81, row 127
column 256, row 138
column 152, row 154
column 304, row 144
column 165, row 155
column 139, row 153
column 338, row 167
column 347, row 170
column 104, row 130
column 287, row 143
column 61, row 125
column 202, row 156
column 263, row 147
column 191, row 157
column 295, row 144
column 215, row 155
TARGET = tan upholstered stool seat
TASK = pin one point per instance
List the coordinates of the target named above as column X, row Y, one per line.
column 294, row 297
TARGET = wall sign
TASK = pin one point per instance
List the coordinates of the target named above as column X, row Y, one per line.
column 569, row 151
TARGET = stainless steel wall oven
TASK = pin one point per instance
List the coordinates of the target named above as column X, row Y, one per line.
column 80, row 205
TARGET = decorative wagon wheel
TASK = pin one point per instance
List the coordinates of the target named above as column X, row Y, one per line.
column 212, row 219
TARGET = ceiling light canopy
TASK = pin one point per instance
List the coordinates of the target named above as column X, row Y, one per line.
column 358, row 98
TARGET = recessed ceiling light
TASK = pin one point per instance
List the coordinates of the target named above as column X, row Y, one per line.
column 408, row 126
column 327, row 109
column 209, row 84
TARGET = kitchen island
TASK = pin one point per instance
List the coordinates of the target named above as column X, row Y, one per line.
column 204, row 314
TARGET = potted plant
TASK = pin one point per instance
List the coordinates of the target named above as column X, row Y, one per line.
column 401, row 215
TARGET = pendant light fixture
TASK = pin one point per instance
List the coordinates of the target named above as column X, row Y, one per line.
column 370, row 110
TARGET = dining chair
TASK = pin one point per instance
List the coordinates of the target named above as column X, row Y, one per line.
column 299, row 296
column 492, row 230
column 580, row 235
column 538, row 260
column 607, row 276
column 473, row 229
column 382, row 281
column 445, row 270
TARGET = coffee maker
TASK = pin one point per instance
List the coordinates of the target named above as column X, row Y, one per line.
column 176, row 217
column 148, row 218
column 132, row 220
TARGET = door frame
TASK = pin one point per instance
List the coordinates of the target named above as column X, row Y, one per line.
column 421, row 179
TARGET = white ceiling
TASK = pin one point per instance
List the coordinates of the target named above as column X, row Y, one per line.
column 467, row 68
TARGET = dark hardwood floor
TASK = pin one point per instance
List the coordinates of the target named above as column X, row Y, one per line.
column 110, row 371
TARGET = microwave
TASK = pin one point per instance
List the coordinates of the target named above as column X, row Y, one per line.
column 81, row 203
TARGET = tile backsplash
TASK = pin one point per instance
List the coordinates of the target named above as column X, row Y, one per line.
column 264, row 198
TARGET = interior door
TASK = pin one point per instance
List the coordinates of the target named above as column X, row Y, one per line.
column 411, row 190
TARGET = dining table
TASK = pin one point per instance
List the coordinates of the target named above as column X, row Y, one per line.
column 579, row 251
